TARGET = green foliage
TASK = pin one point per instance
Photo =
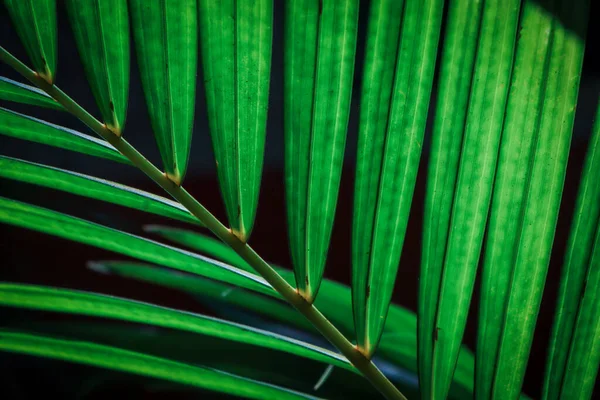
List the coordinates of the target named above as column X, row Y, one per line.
column 320, row 40
column 508, row 78
column 166, row 43
column 101, row 30
column 236, row 59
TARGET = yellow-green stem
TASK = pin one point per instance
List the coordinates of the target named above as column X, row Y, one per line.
column 322, row 324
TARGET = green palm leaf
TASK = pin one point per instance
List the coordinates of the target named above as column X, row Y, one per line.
column 19, row 92
column 141, row 364
column 456, row 69
column 196, row 241
column 449, row 304
column 397, row 81
column 35, row 23
column 536, row 224
column 166, row 42
column 574, row 352
column 62, row 225
column 519, row 140
column 398, row 343
column 320, row 40
column 96, row 305
column 236, row 52
column 35, row 130
column 101, row 31
column 95, row 188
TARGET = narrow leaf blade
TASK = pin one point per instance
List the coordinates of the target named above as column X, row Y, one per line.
column 96, row 305
column 35, row 130
column 541, row 200
column 236, row 41
column 475, row 178
column 166, row 42
column 575, row 332
column 140, row 364
column 398, row 343
column 456, row 70
column 320, row 42
column 68, row 227
column 21, row 93
column 35, row 23
column 101, row 30
column 92, row 187
column 517, row 149
column 388, row 154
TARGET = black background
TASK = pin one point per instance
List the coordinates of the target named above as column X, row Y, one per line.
column 36, row 258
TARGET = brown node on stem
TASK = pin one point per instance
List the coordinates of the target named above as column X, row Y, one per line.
column 242, row 236
column 46, row 77
column 115, row 129
column 176, row 179
column 367, row 354
column 306, row 295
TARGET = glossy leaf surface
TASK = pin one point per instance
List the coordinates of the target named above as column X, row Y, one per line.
column 141, row 364
column 166, row 43
column 35, row 23
column 574, row 352
column 456, row 70
column 397, row 82
column 518, row 287
column 21, row 93
column 35, row 130
column 96, row 305
column 236, row 39
column 68, row 227
column 398, row 343
column 320, row 44
column 92, row 187
column 101, row 30
column 472, row 194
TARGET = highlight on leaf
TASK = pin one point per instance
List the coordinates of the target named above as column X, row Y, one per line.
column 128, row 361
column 92, row 187
column 451, row 288
column 28, row 128
column 21, row 93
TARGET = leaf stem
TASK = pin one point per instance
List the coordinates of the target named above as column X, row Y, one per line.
column 320, row 322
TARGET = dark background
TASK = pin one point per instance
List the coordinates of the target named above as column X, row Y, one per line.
column 36, row 258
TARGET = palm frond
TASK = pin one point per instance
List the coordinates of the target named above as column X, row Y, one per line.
column 320, row 42
column 96, row 305
column 35, row 23
column 454, row 86
column 389, row 149
column 166, row 43
column 236, row 39
column 101, row 30
column 21, row 93
column 573, row 353
column 82, row 231
column 475, row 178
column 517, row 286
column 28, row 128
column 92, row 187
column 141, row 364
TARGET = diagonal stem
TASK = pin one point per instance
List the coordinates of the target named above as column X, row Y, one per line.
column 320, row 322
